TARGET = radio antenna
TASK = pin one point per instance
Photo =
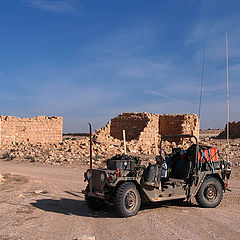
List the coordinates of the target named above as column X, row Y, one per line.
column 227, row 128
column 201, row 89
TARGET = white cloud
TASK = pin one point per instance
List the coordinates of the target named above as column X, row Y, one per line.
column 59, row 6
column 157, row 93
column 212, row 33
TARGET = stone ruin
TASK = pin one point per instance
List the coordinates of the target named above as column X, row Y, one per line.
column 40, row 129
column 234, row 131
column 144, row 130
column 40, row 139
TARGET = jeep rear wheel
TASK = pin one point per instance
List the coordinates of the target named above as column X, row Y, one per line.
column 210, row 193
column 127, row 200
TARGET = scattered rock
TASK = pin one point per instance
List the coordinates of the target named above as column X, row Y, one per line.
column 85, row 238
column 39, row 192
column 1, row 178
column 77, row 151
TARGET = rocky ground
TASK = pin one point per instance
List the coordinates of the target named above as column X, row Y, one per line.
column 75, row 150
column 41, row 198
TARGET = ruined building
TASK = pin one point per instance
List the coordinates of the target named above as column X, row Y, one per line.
column 144, row 129
column 234, row 131
column 40, row 129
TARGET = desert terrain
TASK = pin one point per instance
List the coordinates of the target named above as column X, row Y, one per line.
column 42, row 200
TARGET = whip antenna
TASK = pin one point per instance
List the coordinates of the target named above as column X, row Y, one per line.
column 201, row 89
column 227, row 99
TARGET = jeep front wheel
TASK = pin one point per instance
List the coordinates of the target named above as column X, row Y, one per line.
column 210, row 193
column 127, row 199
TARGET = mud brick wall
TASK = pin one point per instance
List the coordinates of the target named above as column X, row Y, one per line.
column 150, row 132
column 144, row 127
column 178, row 124
column 40, row 129
column 234, row 130
column 132, row 123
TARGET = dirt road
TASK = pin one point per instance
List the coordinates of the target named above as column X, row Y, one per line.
column 45, row 202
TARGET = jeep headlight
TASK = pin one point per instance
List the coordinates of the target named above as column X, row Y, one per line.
column 102, row 177
column 89, row 174
column 112, row 177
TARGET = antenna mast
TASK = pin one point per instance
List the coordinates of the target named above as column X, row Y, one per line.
column 227, row 99
column 201, row 89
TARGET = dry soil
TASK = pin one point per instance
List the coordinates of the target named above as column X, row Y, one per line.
column 40, row 201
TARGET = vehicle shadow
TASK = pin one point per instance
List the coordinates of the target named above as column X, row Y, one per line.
column 78, row 207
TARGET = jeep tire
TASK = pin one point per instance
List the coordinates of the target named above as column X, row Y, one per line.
column 210, row 193
column 127, row 199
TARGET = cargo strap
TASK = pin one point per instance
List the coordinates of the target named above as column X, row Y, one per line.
column 203, row 157
column 210, row 155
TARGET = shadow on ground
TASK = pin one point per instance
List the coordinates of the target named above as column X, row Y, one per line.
column 72, row 207
column 78, row 207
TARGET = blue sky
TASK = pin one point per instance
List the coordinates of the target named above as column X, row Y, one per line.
column 89, row 60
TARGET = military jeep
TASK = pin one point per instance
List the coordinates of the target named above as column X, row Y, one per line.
column 183, row 174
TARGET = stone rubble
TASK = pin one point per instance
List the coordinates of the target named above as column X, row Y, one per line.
column 77, row 151
column 71, row 151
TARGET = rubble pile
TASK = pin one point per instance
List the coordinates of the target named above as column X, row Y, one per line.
column 57, row 153
column 234, row 131
column 76, row 151
column 71, row 151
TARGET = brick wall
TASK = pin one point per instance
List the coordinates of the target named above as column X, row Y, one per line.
column 234, row 130
column 145, row 127
column 132, row 123
column 178, row 124
column 39, row 129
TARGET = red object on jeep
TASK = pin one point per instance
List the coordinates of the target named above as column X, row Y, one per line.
column 213, row 154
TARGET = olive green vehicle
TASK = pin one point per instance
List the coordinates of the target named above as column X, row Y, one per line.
column 179, row 175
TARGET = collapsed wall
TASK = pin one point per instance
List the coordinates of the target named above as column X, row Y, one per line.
column 40, row 129
column 133, row 123
column 144, row 130
column 234, row 131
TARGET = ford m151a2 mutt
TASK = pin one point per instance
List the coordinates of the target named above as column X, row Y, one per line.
column 183, row 174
